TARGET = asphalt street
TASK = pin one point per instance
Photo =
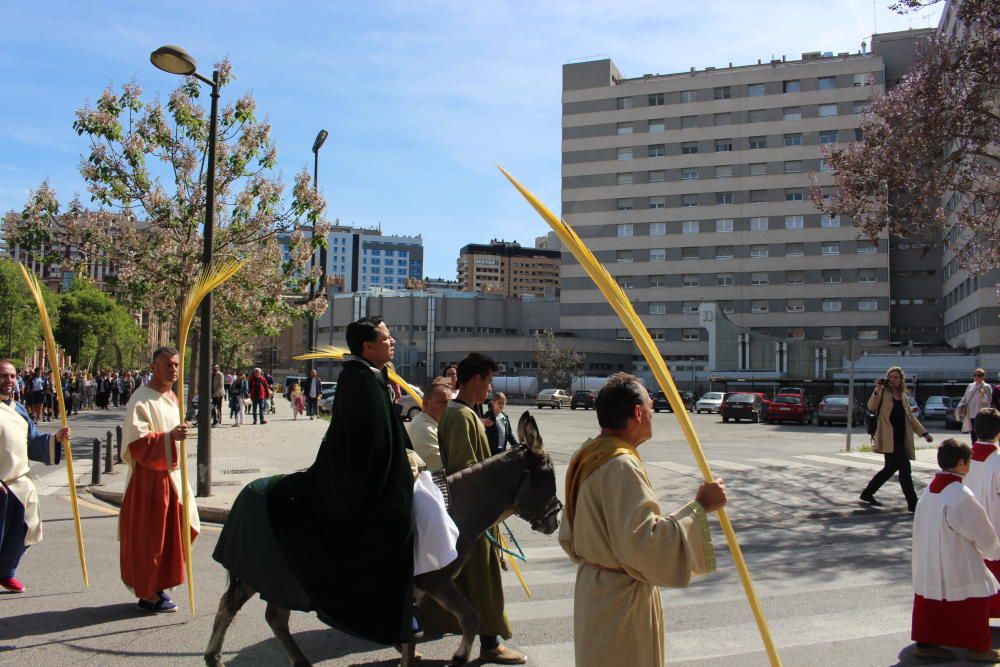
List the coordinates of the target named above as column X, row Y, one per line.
column 833, row 575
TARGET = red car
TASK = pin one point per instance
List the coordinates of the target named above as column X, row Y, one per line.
column 789, row 407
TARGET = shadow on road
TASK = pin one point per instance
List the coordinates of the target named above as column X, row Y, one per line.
column 52, row 622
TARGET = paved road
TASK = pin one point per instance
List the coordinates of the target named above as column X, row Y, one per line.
column 833, row 576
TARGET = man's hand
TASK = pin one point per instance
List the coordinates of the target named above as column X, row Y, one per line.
column 63, row 435
column 928, row 437
column 712, row 496
column 180, row 432
column 487, row 422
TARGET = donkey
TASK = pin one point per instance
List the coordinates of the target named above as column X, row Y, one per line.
column 519, row 481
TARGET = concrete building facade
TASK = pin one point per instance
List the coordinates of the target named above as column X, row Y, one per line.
column 507, row 269
column 367, row 258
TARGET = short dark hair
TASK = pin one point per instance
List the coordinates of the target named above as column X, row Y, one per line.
column 362, row 331
column 163, row 349
column 987, row 424
column 615, row 400
column 951, row 452
column 475, row 364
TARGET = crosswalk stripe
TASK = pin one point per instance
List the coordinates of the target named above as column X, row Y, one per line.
column 674, row 467
column 850, row 463
column 729, row 465
column 781, row 463
column 876, row 458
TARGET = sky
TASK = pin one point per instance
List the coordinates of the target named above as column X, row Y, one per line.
column 421, row 99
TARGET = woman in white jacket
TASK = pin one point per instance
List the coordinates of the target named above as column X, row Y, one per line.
column 978, row 395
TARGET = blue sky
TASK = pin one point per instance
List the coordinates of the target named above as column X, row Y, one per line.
column 421, row 99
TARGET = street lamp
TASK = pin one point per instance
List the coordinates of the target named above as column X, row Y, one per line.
column 175, row 60
column 311, row 334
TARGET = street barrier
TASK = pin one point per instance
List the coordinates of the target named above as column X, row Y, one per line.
column 108, row 461
column 95, row 467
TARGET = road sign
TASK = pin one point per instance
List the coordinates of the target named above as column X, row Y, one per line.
column 711, row 378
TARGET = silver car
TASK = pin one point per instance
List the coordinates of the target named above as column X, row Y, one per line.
column 552, row 398
column 710, row 402
column 936, row 407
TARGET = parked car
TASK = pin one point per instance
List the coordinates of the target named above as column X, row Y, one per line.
column 951, row 423
column 660, row 401
column 709, row 402
column 325, row 403
column 833, row 408
column 789, row 407
column 552, row 398
column 408, row 407
column 935, row 407
column 740, row 406
column 583, row 398
column 914, row 408
column 290, row 380
column 797, row 391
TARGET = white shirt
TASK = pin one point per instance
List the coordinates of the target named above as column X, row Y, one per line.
column 984, row 482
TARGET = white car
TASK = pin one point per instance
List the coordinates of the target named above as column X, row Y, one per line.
column 553, row 398
column 408, row 407
column 710, row 402
column 325, row 403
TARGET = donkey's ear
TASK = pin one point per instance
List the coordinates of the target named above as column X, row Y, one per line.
column 527, row 432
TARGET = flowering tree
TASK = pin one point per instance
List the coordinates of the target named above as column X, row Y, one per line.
column 556, row 365
column 929, row 145
column 146, row 170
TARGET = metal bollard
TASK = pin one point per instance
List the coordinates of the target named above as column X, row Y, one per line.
column 118, row 444
column 95, row 467
column 108, row 461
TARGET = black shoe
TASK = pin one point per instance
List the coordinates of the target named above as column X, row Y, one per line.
column 870, row 499
column 911, row 506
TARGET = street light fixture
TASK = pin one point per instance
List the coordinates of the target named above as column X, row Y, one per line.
column 175, row 60
column 311, row 324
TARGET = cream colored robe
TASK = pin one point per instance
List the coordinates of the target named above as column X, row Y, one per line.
column 15, row 466
column 618, row 616
column 423, row 432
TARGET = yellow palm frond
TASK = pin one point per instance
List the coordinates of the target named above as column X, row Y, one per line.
column 334, row 352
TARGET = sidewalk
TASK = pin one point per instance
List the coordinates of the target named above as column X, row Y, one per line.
column 239, row 456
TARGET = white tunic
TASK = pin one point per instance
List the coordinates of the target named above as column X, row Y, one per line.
column 14, row 468
column 436, row 532
column 984, row 482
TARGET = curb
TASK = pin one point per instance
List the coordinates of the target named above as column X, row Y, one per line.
column 206, row 514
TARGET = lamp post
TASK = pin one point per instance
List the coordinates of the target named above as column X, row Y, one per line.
column 175, row 60
column 311, row 324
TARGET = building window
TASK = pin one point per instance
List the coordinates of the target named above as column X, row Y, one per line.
column 758, row 142
column 831, row 305
column 622, row 334
column 824, row 164
column 723, row 145
column 758, row 224
column 657, row 254
column 794, row 221
column 722, row 93
column 624, row 154
column 759, row 307
column 831, row 248
column 829, row 137
column 689, row 174
column 656, row 150
column 795, row 334
column 689, row 200
column 756, row 90
column 623, row 103
column 689, row 307
column 657, row 308
column 759, row 278
column 657, row 176
column 625, row 204
column 691, row 334
column 758, row 251
column 689, row 96
column 861, row 80
column 758, row 169
column 724, row 280
column 689, row 147
column 689, row 227
column 657, row 228
column 793, row 195
column 657, row 281
column 827, row 220
column 794, row 250
column 867, row 247
column 831, row 276
column 624, row 256
column 656, row 126
column 625, row 179
column 625, row 282
column 827, row 82
column 868, row 305
column 859, row 134
column 624, row 128
column 724, row 171
column 831, row 333
column 791, row 86
column 867, row 276
column 791, row 113
column 723, row 198
column 793, row 166
column 690, row 252
column 862, row 106
column 868, row 334
column 657, row 202
column 795, row 306
column 689, row 280
column 625, row 230
column 724, row 225
column 727, row 307
column 758, row 196
column 793, row 140
column 826, row 110
column 689, row 122
column 656, row 99
column 723, row 119
column 724, row 252
column 757, row 115
column 795, row 278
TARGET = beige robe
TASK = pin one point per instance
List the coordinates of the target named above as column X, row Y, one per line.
column 15, row 466
column 625, row 549
column 423, row 432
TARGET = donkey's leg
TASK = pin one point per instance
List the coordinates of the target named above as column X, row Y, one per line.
column 442, row 589
column 232, row 600
column 277, row 618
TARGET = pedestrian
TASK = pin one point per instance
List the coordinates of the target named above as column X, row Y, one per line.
column 313, row 392
column 951, row 585
column 76, row 393
column 49, row 396
column 218, row 392
column 260, row 390
column 451, row 375
column 984, row 479
column 497, row 423
column 978, row 395
column 623, row 546
column 116, row 390
column 423, row 428
column 463, row 442
column 127, row 387
column 36, row 396
column 150, row 523
column 238, row 392
column 893, row 437
column 298, row 401
column 20, row 442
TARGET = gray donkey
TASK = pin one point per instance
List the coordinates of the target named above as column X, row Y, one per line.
column 519, row 481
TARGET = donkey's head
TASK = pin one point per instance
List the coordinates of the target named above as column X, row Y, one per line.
column 536, row 500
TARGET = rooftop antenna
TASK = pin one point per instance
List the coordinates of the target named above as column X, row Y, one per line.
column 874, row 16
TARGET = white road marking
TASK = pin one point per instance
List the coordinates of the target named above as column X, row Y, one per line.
column 839, row 461
column 781, row 463
column 877, row 458
column 674, row 467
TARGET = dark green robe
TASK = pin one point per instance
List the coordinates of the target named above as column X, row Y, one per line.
column 464, row 443
column 344, row 523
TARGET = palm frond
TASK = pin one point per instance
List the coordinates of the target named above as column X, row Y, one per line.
column 334, row 352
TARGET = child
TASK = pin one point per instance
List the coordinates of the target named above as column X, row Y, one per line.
column 984, row 479
column 951, row 585
column 298, row 402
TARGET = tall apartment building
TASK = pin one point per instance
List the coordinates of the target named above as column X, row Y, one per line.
column 366, row 258
column 694, row 187
column 505, row 268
